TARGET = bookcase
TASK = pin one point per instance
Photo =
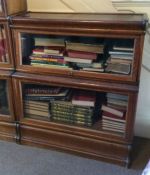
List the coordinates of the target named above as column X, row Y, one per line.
column 76, row 81
column 7, row 67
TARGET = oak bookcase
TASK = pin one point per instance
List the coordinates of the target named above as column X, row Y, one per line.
column 7, row 67
column 109, row 34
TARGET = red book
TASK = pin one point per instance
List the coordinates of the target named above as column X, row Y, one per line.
column 82, row 54
column 109, row 115
column 112, row 111
column 84, row 98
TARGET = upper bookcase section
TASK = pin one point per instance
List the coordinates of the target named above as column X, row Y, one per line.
column 97, row 46
column 6, row 49
column 11, row 7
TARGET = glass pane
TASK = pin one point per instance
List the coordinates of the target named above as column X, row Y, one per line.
column 96, row 110
column 88, row 54
column 4, row 108
column 3, row 45
column 0, row 6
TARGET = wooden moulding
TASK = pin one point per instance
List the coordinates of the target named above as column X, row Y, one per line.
column 11, row 7
column 7, row 131
column 91, row 148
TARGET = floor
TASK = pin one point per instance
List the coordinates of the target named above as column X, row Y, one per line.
column 140, row 153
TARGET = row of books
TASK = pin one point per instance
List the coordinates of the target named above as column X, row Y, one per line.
column 120, row 60
column 114, row 113
column 76, row 106
column 56, row 52
column 60, row 104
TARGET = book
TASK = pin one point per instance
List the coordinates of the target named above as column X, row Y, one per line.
column 59, row 42
column 84, row 98
column 113, row 129
column 94, row 48
column 52, row 66
column 113, row 120
column 120, row 52
column 82, row 54
column 93, row 69
column 113, row 125
column 117, row 96
column 123, row 48
column 37, row 112
column 112, row 116
column 118, row 68
column 117, row 102
column 112, row 111
column 119, row 60
column 77, row 60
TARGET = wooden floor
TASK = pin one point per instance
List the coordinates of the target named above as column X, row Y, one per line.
column 140, row 153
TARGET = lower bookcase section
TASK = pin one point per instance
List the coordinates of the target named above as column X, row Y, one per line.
column 7, row 131
column 83, row 146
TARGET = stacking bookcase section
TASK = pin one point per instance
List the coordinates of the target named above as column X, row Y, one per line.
column 97, row 46
column 7, row 127
column 6, row 46
column 9, row 7
column 86, row 117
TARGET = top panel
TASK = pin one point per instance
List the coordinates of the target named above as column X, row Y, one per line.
column 97, row 46
column 130, row 21
column 9, row 7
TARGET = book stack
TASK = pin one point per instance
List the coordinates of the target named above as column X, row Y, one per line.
column 84, row 56
column 120, row 60
column 36, row 109
column 37, row 99
column 78, row 111
column 113, row 114
column 65, row 111
column 48, row 52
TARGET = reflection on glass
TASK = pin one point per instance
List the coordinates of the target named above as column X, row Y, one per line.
column 88, row 54
column 3, row 46
column 4, row 109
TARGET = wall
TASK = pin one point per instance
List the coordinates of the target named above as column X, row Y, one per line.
column 142, row 123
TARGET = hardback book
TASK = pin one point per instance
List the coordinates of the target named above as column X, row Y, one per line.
column 37, row 112
column 61, row 119
column 117, row 96
column 118, row 68
column 117, row 102
column 111, row 116
column 59, row 42
column 112, row 111
column 81, row 54
column 120, row 52
column 77, row 60
column 122, row 48
column 93, row 69
column 94, row 48
column 119, row 60
column 84, row 98
column 113, row 124
column 121, row 56
column 106, row 128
